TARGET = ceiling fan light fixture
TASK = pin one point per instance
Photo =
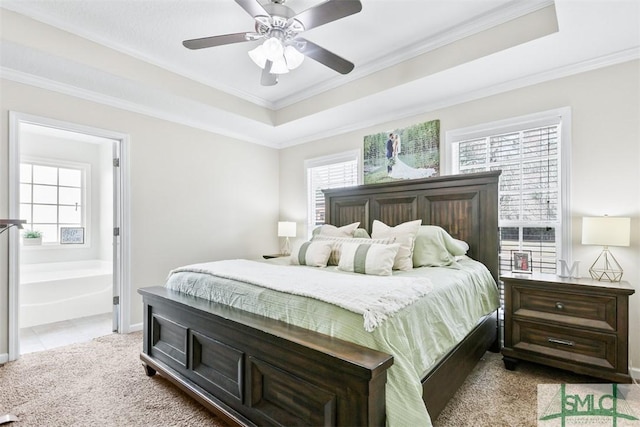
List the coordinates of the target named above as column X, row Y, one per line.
column 273, row 49
column 280, row 26
column 258, row 56
column 293, row 57
column 279, row 66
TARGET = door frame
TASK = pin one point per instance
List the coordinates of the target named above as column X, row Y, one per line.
column 122, row 220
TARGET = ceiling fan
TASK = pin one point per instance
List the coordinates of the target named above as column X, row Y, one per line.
column 283, row 49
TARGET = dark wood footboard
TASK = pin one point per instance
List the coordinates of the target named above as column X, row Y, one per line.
column 257, row 371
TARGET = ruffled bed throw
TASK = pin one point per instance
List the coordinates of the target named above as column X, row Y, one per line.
column 376, row 298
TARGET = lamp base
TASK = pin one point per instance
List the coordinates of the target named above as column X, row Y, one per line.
column 606, row 268
column 286, row 247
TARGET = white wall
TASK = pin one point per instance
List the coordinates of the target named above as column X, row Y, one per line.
column 195, row 196
column 605, row 177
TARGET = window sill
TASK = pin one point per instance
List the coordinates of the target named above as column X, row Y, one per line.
column 54, row 246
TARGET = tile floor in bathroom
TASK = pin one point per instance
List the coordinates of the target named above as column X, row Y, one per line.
column 52, row 335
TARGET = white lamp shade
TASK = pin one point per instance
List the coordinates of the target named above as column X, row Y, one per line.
column 606, row 231
column 279, row 66
column 273, row 49
column 258, row 56
column 293, row 57
column 286, row 229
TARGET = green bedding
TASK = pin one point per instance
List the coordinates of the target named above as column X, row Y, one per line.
column 417, row 336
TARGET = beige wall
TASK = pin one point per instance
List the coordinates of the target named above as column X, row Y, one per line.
column 195, row 196
column 605, row 177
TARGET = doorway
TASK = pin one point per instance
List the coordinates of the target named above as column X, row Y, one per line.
column 69, row 183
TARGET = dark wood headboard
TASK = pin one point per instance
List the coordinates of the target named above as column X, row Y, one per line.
column 464, row 205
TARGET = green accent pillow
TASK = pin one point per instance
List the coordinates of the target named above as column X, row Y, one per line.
column 332, row 230
column 434, row 247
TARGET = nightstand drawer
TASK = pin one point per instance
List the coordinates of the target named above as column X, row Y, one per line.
column 597, row 311
column 591, row 348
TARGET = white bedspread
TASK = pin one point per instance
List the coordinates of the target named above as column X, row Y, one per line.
column 376, row 298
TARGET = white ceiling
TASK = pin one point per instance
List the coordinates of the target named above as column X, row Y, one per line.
column 410, row 56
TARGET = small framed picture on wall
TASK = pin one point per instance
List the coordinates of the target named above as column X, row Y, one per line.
column 71, row 235
column 521, row 262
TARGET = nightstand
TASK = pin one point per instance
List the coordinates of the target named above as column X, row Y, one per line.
column 580, row 325
column 270, row 256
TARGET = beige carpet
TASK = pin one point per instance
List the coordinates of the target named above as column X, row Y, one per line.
column 102, row 383
column 494, row 396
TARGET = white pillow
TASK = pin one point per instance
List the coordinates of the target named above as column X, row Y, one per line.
column 368, row 258
column 314, row 254
column 337, row 242
column 405, row 235
column 434, row 247
column 344, row 231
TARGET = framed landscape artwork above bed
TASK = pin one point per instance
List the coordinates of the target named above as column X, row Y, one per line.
column 404, row 153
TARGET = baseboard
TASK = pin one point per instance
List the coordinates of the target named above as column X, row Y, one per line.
column 635, row 374
column 4, row 358
column 135, row 328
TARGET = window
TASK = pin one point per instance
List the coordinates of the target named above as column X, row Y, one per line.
column 532, row 192
column 340, row 170
column 52, row 195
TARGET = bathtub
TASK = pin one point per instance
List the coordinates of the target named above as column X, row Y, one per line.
column 57, row 291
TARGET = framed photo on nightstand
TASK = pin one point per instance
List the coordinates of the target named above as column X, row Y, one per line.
column 521, row 262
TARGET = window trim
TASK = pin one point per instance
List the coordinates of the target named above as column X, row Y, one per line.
column 344, row 156
column 561, row 116
column 86, row 198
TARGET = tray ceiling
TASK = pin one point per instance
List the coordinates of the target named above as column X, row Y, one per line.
column 410, row 56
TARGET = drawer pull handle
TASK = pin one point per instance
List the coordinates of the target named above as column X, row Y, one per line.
column 562, row 342
column 560, row 306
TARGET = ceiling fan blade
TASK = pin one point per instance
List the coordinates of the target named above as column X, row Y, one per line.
column 267, row 78
column 216, row 40
column 326, row 12
column 325, row 57
column 252, row 7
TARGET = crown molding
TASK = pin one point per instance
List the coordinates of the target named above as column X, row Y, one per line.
column 560, row 72
column 157, row 111
column 275, row 138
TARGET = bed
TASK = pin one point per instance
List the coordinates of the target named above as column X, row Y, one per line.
column 254, row 370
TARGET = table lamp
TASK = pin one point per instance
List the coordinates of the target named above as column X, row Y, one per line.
column 606, row 231
column 286, row 229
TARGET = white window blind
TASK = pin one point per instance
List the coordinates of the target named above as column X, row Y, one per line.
column 334, row 172
column 530, row 216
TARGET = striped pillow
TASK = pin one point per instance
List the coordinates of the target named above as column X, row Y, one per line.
column 337, row 243
column 313, row 254
column 368, row 258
